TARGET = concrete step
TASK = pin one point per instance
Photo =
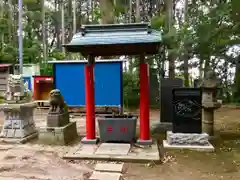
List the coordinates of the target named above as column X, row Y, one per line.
column 105, row 176
column 107, row 167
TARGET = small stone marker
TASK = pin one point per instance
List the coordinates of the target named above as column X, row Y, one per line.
column 106, row 167
column 113, row 149
column 105, row 176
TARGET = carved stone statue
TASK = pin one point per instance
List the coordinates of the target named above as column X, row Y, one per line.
column 56, row 101
column 15, row 88
column 58, row 114
column 59, row 129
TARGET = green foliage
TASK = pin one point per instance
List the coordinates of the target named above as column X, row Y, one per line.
column 46, row 69
column 157, row 22
column 211, row 28
column 57, row 55
column 130, row 90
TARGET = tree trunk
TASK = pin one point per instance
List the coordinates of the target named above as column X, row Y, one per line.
column 206, row 65
column 63, row 25
column 74, row 17
column 1, row 17
column 70, row 16
column 107, row 11
column 130, row 11
column 168, row 27
column 92, row 10
column 44, row 36
column 186, row 55
column 237, row 81
column 10, row 22
column 138, row 16
column 57, row 25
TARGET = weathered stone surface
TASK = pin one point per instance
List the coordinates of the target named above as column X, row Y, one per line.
column 88, row 149
column 18, row 110
column 58, row 135
column 17, row 91
column 205, row 148
column 136, row 154
column 187, row 139
column 113, row 149
column 106, row 167
column 57, row 103
column 105, row 176
column 57, row 120
column 19, row 121
column 209, row 101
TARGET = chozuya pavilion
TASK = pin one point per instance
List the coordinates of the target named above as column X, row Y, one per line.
column 114, row 40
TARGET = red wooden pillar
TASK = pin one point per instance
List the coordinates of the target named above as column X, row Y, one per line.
column 90, row 103
column 144, row 103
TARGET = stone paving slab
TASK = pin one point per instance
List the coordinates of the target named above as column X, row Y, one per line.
column 106, row 167
column 11, row 178
column 113, row 149
column 19, row 140
column 105, row 176
column 208, row 148
column 135, row 154
column 87, row 149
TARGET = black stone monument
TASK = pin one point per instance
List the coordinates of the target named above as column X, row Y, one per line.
column 187, row 110
column 166, row 87
column 196, row 83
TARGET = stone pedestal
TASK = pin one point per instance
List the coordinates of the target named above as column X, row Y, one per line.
column 208, row 121
column 19, row 121
column 58, row 135
column 57, row 120
column 59, row 130
column 191, row 141
column 187, row 139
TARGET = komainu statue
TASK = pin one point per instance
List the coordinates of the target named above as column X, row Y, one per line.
column 56, row 101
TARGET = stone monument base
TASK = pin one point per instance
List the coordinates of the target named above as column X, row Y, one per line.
column 188, row 141
column 19, row 121
column 58, row 135
column 57, row 120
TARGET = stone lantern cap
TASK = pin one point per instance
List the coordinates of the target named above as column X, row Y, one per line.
column 210, row 81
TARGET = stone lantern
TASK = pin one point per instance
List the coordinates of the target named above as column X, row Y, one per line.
column 209, row 102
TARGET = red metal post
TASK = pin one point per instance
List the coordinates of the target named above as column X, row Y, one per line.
column 90, row 104
column 144, row 101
